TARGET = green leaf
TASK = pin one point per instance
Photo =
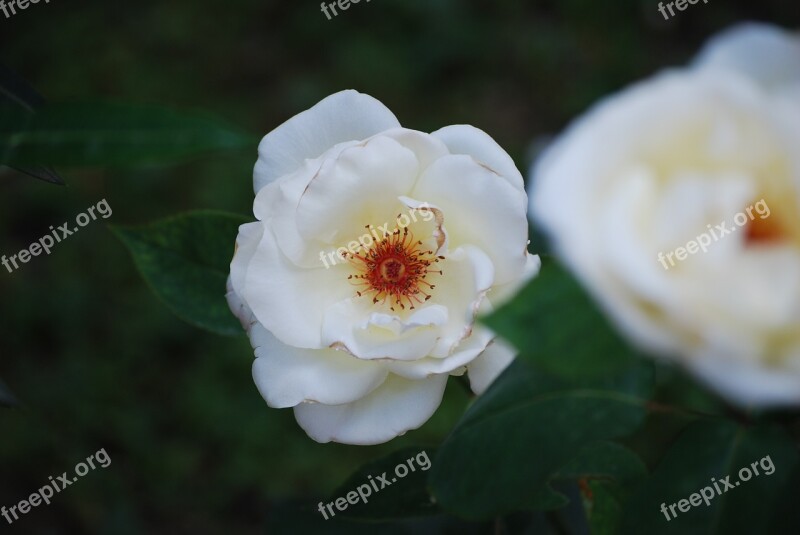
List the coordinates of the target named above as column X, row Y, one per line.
column 16, row 94
column 702, row 457
column 603, row 466
column 557, row 325
column 405, row 497
column 604, row 460
column 604, row 507
column 529, row 425
column 547, row 499
column 603, row 470
column 113, row 134
column 7, row 399
column 185, row 260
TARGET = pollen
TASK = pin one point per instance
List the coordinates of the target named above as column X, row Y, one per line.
column 395, row 270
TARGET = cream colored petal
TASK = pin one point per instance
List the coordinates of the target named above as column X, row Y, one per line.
column 287, row 376
column 471, row 141
column 290, row 300
column 397, row 406
column 489, row 365
column 480, row 208
column 343, row 116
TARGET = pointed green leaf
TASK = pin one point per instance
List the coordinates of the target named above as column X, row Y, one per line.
column 16, row 93
column 186, row 261
column 113, row 134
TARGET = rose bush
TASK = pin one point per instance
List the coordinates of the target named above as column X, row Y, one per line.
column 649, row 169
column 362, row 347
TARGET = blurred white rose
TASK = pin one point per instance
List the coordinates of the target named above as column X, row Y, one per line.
column 648, row 170
column 434, row 230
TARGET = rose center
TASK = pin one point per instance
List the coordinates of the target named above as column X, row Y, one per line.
column 395, row 269
column 762, row 231
column 392, row 270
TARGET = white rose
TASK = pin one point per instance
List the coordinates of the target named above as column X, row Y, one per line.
column 648, row 170
column 362, row 346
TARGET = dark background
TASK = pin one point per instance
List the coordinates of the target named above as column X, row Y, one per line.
column 98, row 362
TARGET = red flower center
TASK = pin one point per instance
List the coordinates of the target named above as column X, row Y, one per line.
column 761, row 231
column 395, row 269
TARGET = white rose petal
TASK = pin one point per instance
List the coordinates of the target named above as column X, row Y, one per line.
column 468, row 140
column 462, row 189
column 287, row 299
column 287, row 376
column 454, row 364
column 363, row 186
column 341, row 117
column 491, row 363
column 766, row 54
column 397, row 406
